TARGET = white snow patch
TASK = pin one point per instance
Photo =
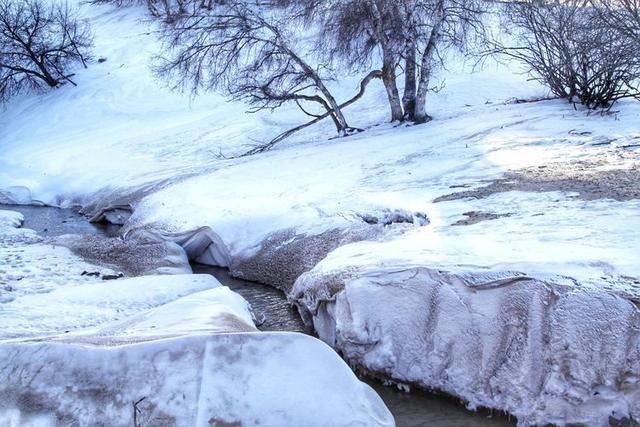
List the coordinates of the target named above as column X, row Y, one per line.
column 68, row 308
column 11, row 219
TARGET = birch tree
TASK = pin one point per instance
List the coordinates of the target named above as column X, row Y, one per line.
column 405, row 36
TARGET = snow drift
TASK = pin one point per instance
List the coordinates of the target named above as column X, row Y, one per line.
column 226, row 379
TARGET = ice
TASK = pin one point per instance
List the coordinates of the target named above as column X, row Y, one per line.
column 181, row 350
column 545, row 349
column 11, row 219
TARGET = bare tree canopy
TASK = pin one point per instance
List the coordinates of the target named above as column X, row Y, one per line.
column 246, row 50
column 623, row 15
column 167, row 9
column 567, row 46
column 39, row 42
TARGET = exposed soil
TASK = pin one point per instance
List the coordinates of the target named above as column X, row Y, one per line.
column 474, row 217
column 615, row 176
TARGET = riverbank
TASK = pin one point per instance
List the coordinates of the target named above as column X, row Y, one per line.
column 177, row 350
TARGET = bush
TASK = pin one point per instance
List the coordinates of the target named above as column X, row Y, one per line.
column 569, row 47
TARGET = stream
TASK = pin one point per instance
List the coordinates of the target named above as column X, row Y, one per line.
column 417, row 408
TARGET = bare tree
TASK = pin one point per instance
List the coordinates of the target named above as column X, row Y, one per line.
column 39, row 42
column 355, row 32
column 566, row 45
column 405, row 34
column 165, row 9
column 246, row 50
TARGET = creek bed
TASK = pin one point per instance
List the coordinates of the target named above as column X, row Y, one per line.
column 414, row 409
column 273, row 312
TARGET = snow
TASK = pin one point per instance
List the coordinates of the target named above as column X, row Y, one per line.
column 76, row 349
column 515, row 310
column 95, row 303
column 30, row 266
column 543, row 351
column 194, row 380
column 11, row 219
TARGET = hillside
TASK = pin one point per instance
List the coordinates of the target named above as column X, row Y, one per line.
column 502, row 236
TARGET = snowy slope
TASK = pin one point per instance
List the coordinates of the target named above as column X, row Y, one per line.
column 121, row 127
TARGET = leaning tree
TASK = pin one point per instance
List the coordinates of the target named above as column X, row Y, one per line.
column 39, row 44
column 249, row 51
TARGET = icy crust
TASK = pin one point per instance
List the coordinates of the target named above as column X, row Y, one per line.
column 221, row 380
column 543, row 351
column 70, row 308
column 201, row 245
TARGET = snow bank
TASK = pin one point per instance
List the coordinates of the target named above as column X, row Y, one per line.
column 166, row 350
column 270, row 379
column 133, row 256
column 201, row 245
column 73, row 307
column 545, row 350
column 11, row 219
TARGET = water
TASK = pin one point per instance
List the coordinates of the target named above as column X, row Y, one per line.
column 269, row 305
column 51, row 222
column 415, row 409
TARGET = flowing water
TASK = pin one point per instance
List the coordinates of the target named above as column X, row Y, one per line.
column 274, row 313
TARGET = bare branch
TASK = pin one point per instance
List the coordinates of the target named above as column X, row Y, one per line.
column 39, row 41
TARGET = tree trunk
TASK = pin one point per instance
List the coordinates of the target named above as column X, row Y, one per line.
column 391, row 86
column 409, row 96
column 334, row 110
column 426, row 67
column 46, row 76
column 388, row 63
column 338, row 118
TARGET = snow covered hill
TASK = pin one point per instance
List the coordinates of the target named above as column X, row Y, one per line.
column 534, row 205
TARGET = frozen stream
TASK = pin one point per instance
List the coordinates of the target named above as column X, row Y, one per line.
column 274, row 313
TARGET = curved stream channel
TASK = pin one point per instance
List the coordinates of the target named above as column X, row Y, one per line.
column 270, row 305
